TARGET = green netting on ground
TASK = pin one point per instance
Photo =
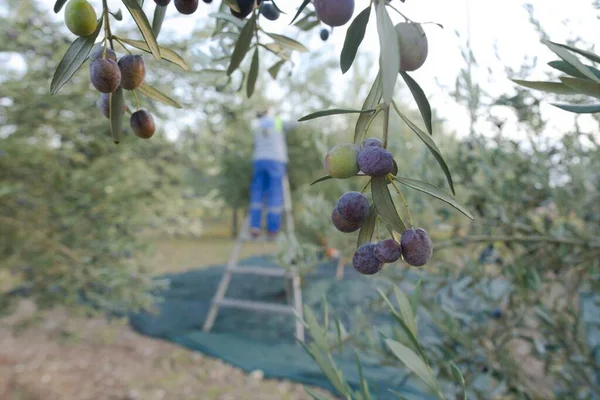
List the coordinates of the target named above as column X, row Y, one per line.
column 261, row 341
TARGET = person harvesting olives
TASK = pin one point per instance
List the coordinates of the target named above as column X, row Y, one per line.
column 269, row 168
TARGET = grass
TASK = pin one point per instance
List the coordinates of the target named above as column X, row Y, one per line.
column 215, row 247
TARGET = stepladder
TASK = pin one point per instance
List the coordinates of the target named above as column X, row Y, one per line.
column 291, row 276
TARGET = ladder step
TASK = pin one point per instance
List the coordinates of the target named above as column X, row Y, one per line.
column 255, row 305
column 263, row 271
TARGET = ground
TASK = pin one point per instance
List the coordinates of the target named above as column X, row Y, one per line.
column 52, row 355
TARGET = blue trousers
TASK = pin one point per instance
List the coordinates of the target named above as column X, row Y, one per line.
column 267, row 186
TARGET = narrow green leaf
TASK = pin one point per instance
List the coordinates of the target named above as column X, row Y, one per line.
column 232, row 4
column 242, row 45
column 363, row 383
column 398, row 395
column 590, row 56
column 414, row 363
column 583, row 86
column 288, row 42
column 548, row 87
column 394, row 169
column 579, row 108
column 354, row 37
column 338, row 329
column 73, row 59
column 308, row 22
column 165, row 53
column 434, row 191
column 414, row 298
column 252, row 75
column 406, row 311
column 326, row 367
column 59, row 5
column 274, row 69
column 229, row 18
column 118, row 15
column 459, row 377
column 432, row 148
column 366, row 231
column 302, row 6
column 157, row 20
column 321, row 179
column 385, row 205
column 562, row 52
column 389, row 58
column 315, row 395
column 157, row 95
column 568, row 69
column 277, row 7
column 421, row 100
column 116, row 102
column 370, row 102
column 317, row 333
column 334, row 111
column 135, row 9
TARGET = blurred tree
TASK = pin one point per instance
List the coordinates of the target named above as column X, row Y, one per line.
column 72, row 203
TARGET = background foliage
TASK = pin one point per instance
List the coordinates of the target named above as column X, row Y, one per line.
column 74, row 207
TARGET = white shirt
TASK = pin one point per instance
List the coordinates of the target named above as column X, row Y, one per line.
column 269, row 139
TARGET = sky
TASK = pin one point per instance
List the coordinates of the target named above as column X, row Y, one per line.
column 487, row 23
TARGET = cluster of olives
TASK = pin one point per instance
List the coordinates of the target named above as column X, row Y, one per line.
column 186, row 7
column 348, row 159
column 352, row 209
column 411, row 36
column 107, row 75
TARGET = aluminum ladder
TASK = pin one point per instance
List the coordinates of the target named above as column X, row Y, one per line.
column 290, row 276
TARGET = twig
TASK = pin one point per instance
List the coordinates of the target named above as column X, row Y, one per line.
column 518, row 239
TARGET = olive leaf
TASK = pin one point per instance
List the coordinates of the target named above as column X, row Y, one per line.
column 562, row 52
column 156, row 94
column 229, row 18
column 274, row 69
column 166, row 54
column 116, row 102
column 308, row 22
column 389, row 58
column 354, row 37
column 568, row 69
column 252, row 74
column 118, row 15
column 321, row 179
column 366, row 231
column 302, row 6
column 75, row 56
column 370, row 102
column 590, row 56
column 434, row 191
column 437, row 154
column 421, row 99
column 579, row 109
column 414, row 363
column 59, row 5
column 459, row 377
column 548, row 87
column 385, row 205
column 288, row 42
column 334, row 111
column 157, row 20
column 583, row 86
column 232, row 4
column 242, row 45
column 135, row 9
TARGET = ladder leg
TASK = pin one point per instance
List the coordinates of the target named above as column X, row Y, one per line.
column 298, row 306
column 287, row 206
column 224, row 283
